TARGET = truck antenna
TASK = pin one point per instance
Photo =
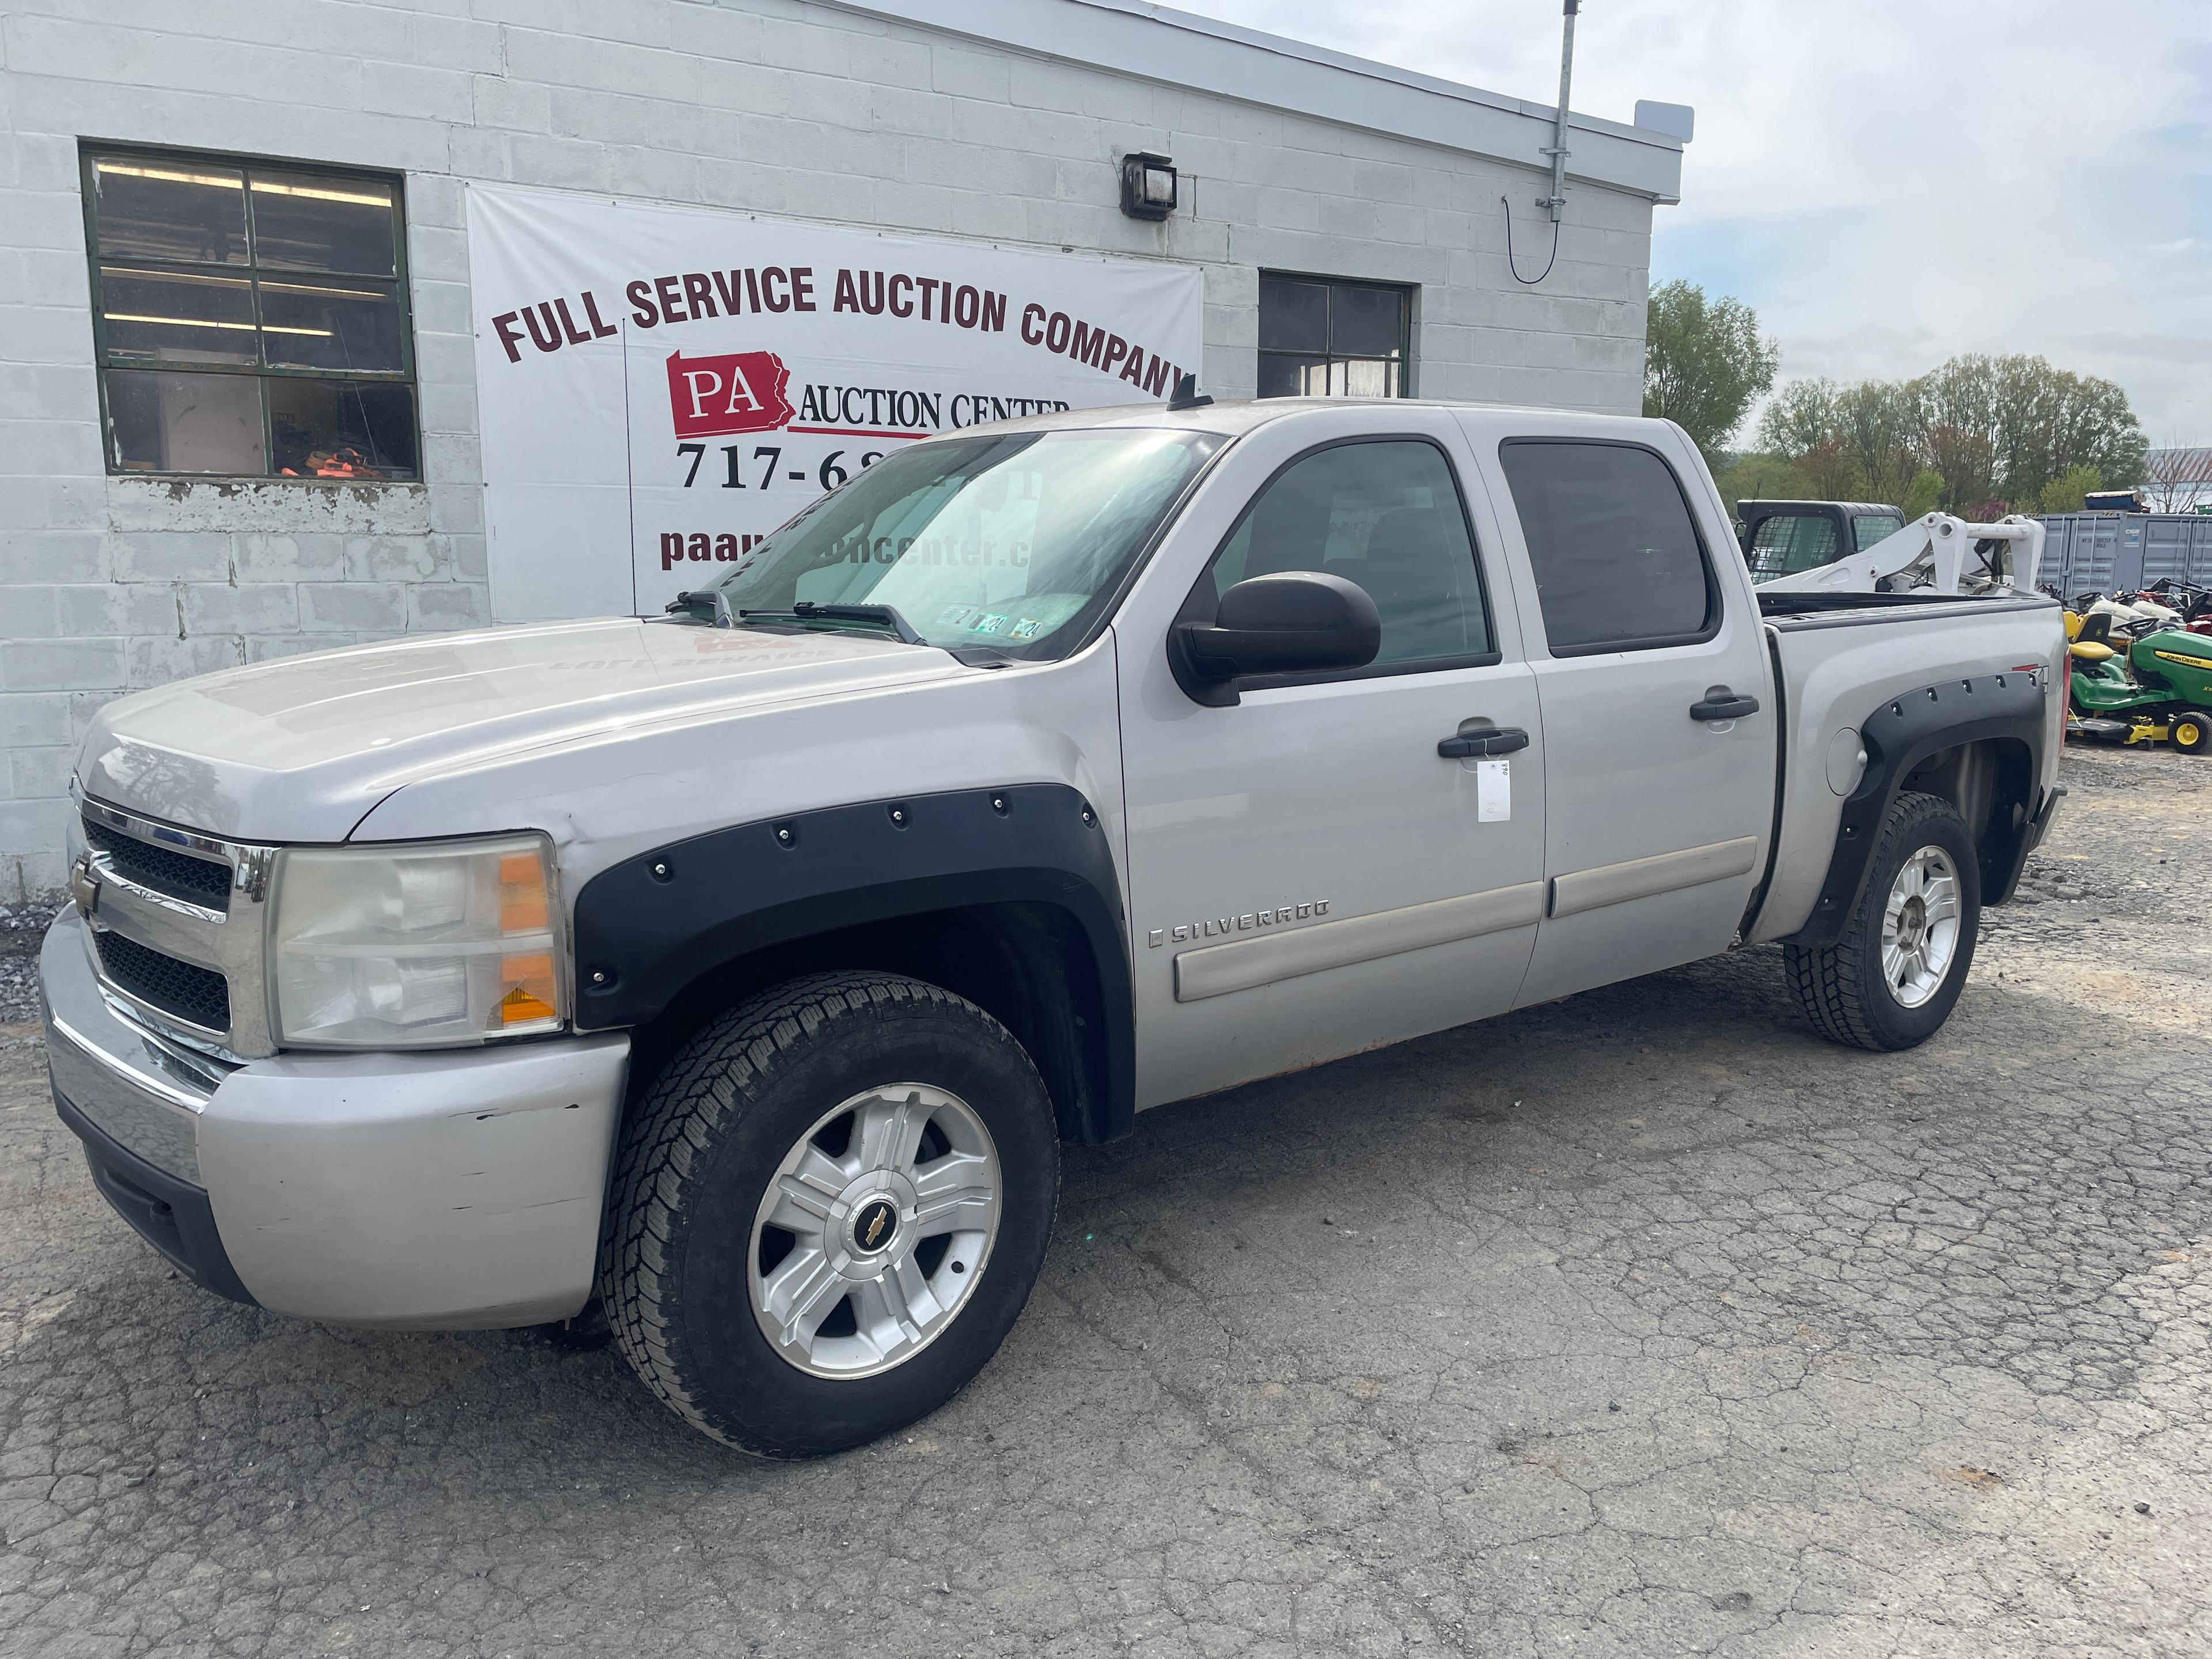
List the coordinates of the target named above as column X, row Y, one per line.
column 1186, row 394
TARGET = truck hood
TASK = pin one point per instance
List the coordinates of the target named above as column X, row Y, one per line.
column 302, row 748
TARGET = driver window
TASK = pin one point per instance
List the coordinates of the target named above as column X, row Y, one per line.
column 1385, row 515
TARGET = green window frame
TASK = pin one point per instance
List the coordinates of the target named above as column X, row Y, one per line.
column 250, row 316
column 1335, row 337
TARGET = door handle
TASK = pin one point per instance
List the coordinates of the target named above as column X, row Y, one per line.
column 1489, row 741
column 1726, row 705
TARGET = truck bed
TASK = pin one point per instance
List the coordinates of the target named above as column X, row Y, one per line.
column 1839, row 657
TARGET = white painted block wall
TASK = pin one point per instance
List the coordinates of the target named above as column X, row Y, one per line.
column 109, row 585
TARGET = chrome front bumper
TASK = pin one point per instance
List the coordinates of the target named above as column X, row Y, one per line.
column 438, row 1190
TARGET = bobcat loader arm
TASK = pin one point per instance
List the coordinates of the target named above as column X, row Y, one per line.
column 1938, row 554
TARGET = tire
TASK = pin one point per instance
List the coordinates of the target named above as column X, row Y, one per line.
column 2191, row 730
column 1843, row 988
column 699, row 1280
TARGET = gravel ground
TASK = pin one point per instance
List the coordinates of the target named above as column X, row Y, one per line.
column 1642, row 1324
column 21, row 926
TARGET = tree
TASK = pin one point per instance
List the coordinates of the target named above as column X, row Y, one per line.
column 1803, row 413
column 1988, row 429
column 2065, row 493
column 1921, row 496
column 1705, row 364
column 1833, row 472
column 1760, row 478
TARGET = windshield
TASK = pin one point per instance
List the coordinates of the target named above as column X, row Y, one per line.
column 1007, row 545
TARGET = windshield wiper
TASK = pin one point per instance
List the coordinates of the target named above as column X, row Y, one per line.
column 705, row 606
column 877, row 616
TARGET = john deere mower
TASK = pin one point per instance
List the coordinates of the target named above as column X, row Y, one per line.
column 2154, row 688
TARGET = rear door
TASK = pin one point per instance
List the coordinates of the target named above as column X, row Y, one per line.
column 1307, row 875
column 1659, row 728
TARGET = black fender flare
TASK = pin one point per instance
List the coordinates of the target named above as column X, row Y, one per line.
column 648, row 927
column 1898, row 736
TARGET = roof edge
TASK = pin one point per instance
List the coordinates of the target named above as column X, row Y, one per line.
column 1179, row 49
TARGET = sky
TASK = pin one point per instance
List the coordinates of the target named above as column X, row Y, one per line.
column 1889, row 183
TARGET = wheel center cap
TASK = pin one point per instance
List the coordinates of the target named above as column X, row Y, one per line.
column 874, row 1226
column 1913, row 923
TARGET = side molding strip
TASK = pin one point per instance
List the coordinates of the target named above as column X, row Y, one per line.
column 1217, row 969
column 1616, row 883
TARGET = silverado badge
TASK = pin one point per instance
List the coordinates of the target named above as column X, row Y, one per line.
column 1214, row 926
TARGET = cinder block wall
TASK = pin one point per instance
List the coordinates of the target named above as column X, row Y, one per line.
column 109, row 585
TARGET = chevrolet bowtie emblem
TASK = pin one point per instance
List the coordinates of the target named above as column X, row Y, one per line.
column 873, row 1226
column 84, row 887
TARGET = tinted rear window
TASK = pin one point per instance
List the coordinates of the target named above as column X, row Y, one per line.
column 1616, row 555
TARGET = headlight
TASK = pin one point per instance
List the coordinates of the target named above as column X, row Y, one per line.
column 415, row 946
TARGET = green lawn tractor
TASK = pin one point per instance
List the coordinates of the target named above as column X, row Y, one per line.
column 2160, row 690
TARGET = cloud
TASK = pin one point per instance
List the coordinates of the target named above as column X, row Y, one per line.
column 1891, row 182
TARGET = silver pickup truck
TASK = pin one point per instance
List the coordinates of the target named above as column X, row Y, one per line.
column 746, row 968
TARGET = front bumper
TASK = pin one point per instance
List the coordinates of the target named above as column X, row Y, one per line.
column 441, row 1190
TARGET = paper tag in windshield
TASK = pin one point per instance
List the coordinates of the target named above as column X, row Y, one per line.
column 1493, row 791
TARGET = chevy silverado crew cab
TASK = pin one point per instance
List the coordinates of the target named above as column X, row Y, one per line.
column 746, row 967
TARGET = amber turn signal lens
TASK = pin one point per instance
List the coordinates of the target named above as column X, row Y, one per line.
column 530, row 991
column 522, row 907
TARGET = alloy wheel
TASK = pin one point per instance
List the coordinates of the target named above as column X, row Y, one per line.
column 874, row 1230
column 1920, row 927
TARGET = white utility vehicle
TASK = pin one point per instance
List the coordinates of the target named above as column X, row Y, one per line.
column 746, row 967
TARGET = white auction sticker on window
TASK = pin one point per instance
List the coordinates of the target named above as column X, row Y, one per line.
column 1493, row 791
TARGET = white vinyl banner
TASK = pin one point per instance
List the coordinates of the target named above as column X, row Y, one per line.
column 658, row 387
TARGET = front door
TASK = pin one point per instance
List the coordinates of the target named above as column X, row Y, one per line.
column 1658, row 725
column 1309, row 876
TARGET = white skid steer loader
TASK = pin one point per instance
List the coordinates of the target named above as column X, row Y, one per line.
column 1938, row 554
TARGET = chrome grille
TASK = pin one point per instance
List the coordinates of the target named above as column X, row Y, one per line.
column 199, row 995
column 196, row 880
column 178, row 921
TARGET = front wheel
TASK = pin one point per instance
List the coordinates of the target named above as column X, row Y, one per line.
column 2190, row 731
column 1893, row 977
column 828, row 1211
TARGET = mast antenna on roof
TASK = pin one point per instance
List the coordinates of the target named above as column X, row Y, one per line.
column 1186, row 394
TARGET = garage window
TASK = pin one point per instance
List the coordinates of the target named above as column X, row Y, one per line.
column 250, row 316
column 1321, row 338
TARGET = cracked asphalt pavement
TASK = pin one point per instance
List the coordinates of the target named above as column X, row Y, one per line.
column 1642, row 1323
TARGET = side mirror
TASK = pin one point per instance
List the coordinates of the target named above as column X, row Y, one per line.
column 1296, row 622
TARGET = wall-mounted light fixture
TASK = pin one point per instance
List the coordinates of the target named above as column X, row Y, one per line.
column 1148, row 185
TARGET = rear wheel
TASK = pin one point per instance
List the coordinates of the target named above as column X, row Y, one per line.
column 2191, row 730
column 1893, row 977
column 828, row 1211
